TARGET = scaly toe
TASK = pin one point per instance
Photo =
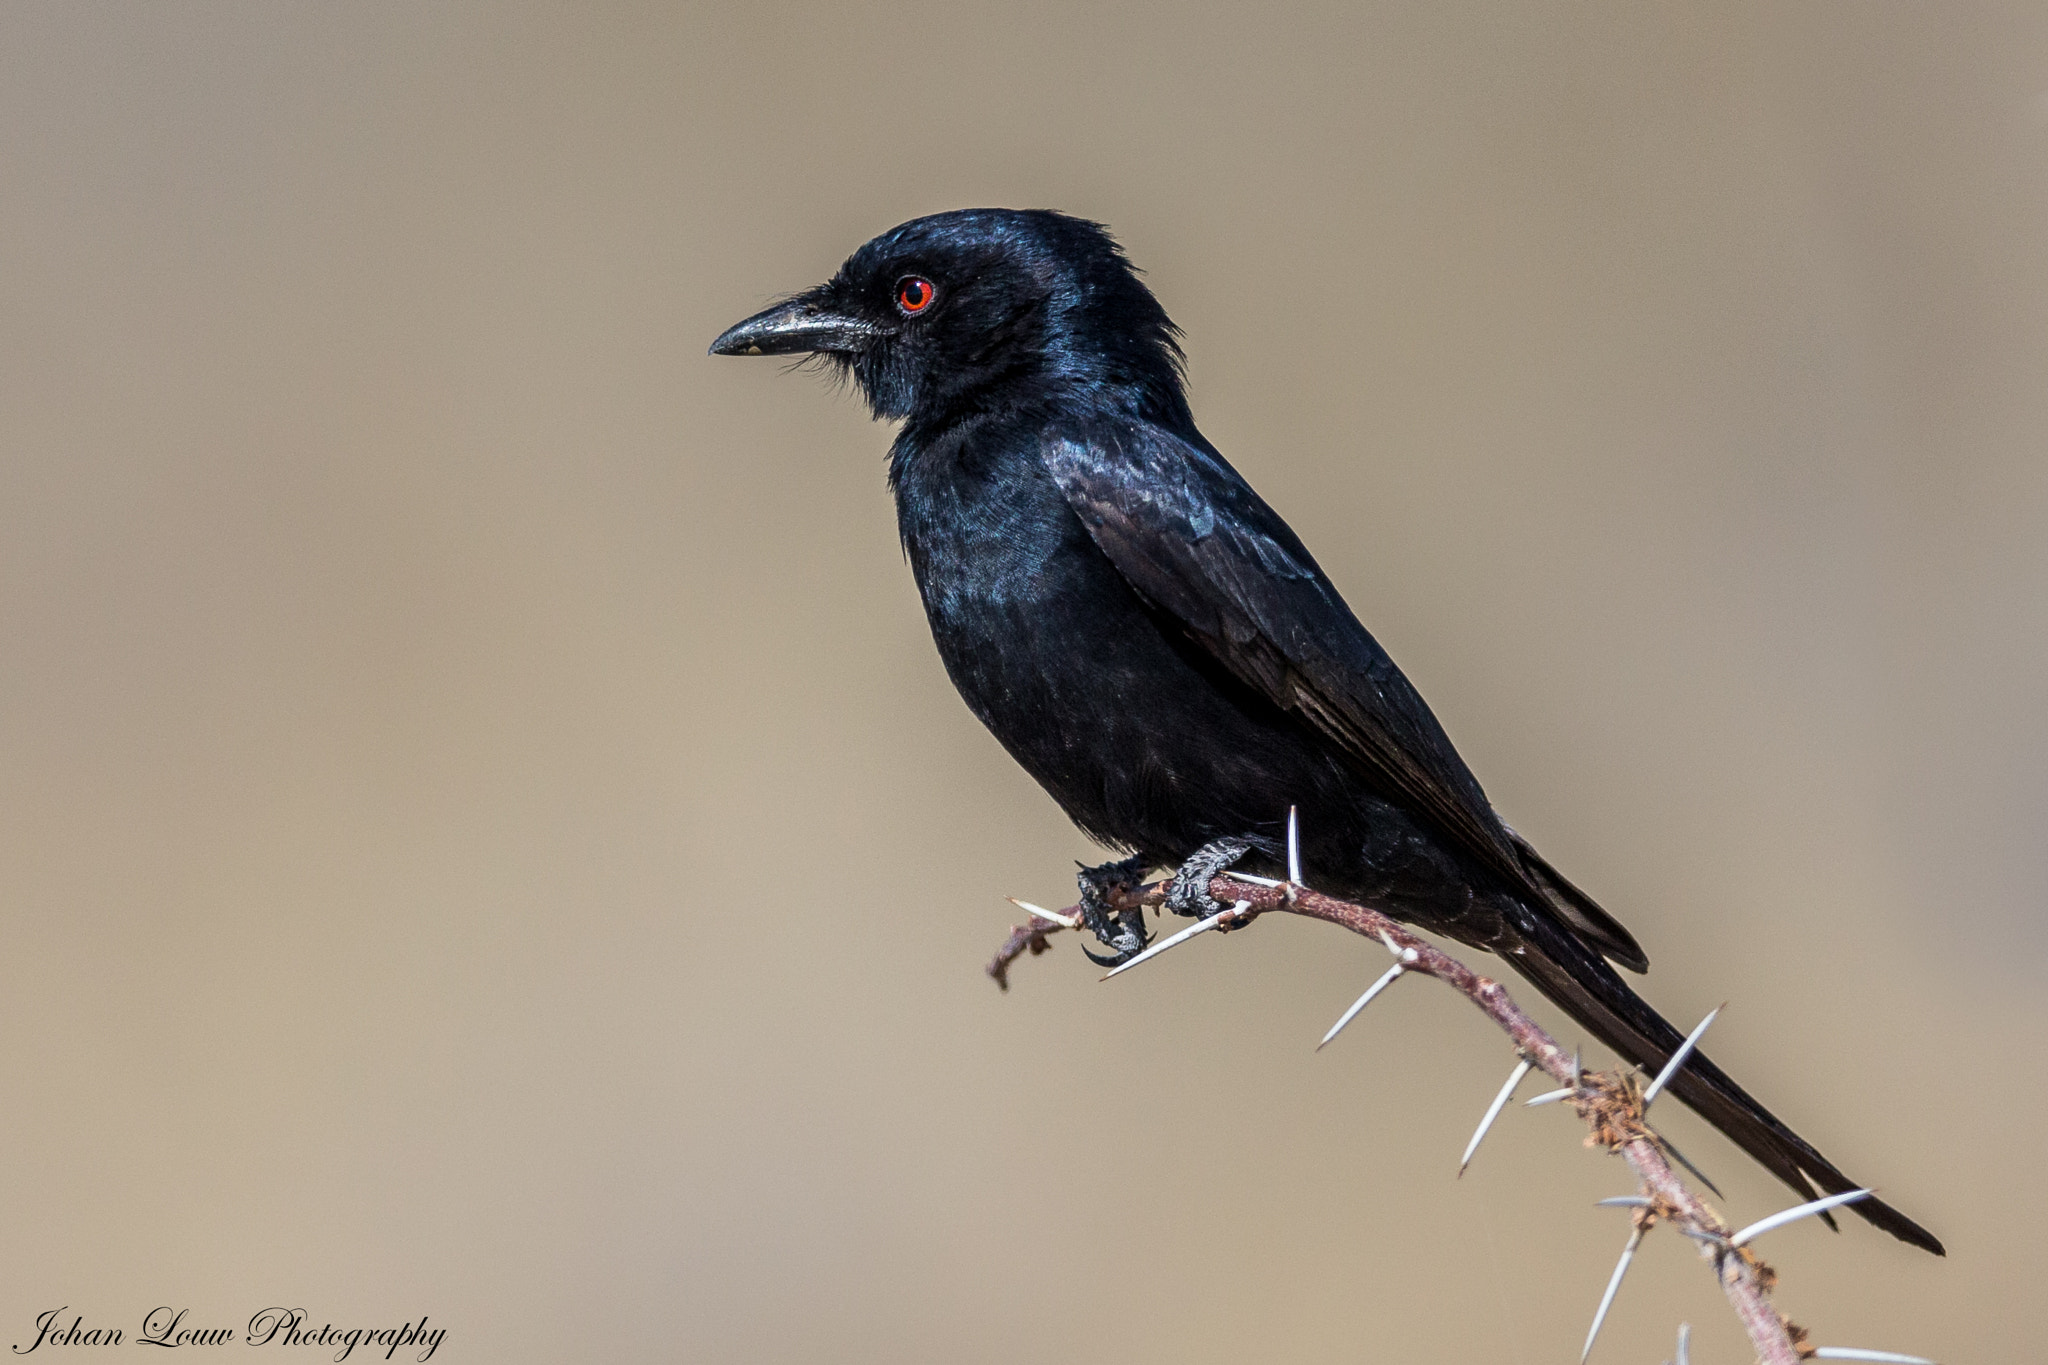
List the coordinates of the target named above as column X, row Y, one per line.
column 1189, row 892
column 1121, row 930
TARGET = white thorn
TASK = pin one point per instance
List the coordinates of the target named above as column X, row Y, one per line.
column 1548, row 1097
column 1183, row 936
column 1623, row 1201
column 1375, row 988
column 1255, row 881
column 1406, row 955
column 1064, row 921
column 1635, row 1239
column 1793, row 1215
column 1858, row 1353
column 1507, row 1092
column 1656, row 1087
column 1685, row 1344
column 1293, row 847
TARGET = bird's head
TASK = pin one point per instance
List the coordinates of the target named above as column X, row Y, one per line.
column 979, row 308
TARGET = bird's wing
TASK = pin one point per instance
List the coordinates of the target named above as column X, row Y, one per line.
column 1193, row 538
column 1581, row 911
column 1196, row 542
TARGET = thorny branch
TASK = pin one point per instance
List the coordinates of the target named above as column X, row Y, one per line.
column 1611, row 1103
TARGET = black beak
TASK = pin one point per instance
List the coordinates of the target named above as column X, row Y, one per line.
column 804, row 323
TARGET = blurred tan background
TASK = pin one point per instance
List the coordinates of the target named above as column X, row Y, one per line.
column 484, row 832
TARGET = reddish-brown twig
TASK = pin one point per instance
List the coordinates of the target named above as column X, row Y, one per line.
column 1611, row 1103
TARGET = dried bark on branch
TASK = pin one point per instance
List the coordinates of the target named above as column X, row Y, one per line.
column 1611, row 1103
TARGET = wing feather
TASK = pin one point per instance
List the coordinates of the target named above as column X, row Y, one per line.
column 1193, row 538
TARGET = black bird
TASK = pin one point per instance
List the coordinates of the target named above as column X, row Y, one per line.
column 1149, row 639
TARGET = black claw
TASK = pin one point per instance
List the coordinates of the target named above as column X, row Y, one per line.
column 1189, row 893
column 1109, row 959
column 1122, row 930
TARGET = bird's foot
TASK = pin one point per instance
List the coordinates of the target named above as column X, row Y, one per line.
column 1188, row 894
column 1121, row 929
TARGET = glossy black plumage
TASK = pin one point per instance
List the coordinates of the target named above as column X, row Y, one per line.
column 1155, row 646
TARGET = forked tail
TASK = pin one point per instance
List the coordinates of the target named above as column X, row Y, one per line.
column 1581, row 983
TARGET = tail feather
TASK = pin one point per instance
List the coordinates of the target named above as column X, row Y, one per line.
column 1581, row 983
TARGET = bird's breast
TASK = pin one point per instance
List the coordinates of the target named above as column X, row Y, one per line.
column 1113, row 711
column 1020, row 600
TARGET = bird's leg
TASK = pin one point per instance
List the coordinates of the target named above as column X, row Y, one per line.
column 1188, row 894
column 1121, row 929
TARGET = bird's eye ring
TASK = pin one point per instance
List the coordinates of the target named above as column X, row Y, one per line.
column 914, row 294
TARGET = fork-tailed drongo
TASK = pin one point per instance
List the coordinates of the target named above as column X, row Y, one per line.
column 1149, row 639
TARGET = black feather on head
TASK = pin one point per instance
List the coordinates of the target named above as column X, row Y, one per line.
column 1024, row 302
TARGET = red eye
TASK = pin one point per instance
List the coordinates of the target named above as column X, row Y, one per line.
column 914, row 294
